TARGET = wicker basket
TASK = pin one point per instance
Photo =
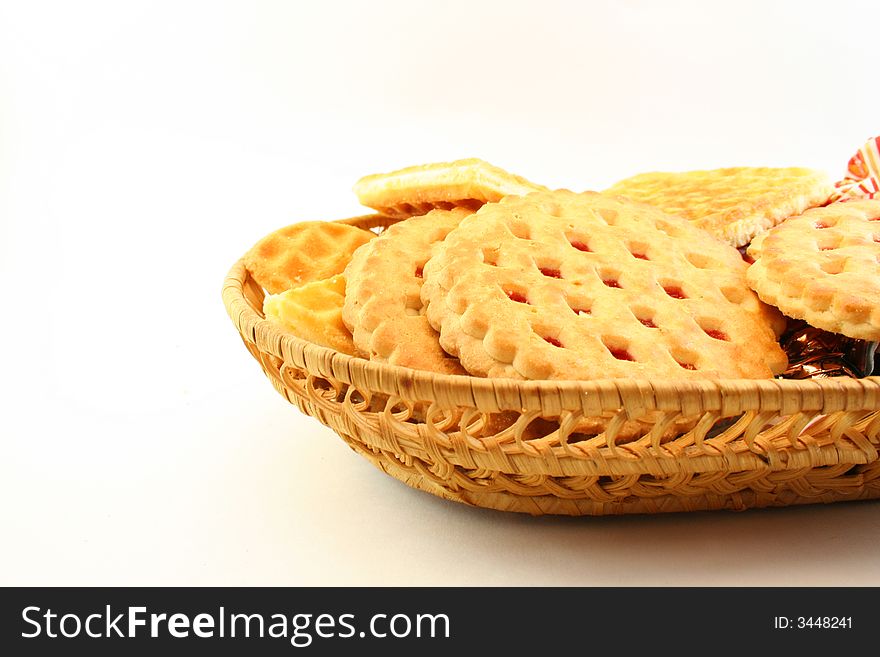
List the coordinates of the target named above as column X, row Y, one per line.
column 514, row 446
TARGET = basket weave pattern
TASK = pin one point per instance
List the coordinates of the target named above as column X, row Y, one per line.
column 518, row 446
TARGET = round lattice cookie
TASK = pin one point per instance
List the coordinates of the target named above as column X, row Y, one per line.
column 824, row 267
column 382, row 306
column 560, row 285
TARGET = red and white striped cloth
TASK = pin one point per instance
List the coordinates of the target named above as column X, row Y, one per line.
column 862, row 178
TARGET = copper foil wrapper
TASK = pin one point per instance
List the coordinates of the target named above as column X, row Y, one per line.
column 814, row 353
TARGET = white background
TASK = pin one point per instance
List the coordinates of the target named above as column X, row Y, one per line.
column 145, row 146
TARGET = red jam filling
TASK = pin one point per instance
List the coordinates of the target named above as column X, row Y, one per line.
column 621, row 354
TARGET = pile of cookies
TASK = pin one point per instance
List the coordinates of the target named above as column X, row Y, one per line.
column 662, row 276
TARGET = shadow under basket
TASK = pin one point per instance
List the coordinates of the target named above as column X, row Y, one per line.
column 579, row 447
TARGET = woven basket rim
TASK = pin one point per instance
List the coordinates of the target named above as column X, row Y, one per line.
column 726, row 395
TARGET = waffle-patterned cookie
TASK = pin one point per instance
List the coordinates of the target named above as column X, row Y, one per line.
column 383, row 307
column 560, row 285
column 824, row 267
column 734, row 204
column 313, row 312
column 304, row 252
column 445, row 185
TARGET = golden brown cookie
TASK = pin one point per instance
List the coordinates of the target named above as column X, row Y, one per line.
column 304, row 252
column 383, row 308
column 445, row 185
column 313, row 312
column 734, row 204
column 559, row 285
column 824, row 267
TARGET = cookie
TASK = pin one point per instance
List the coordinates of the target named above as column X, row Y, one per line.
column 313, row 312
column 559, row 285
column 445, row 185
column 824, row 267
column 383, row 308
column 733, row 204
column 304, row 252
